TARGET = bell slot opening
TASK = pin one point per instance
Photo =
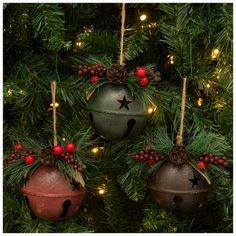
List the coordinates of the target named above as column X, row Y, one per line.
column 66, row 206
column 130, row 125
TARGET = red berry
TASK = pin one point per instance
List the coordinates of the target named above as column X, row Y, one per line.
column 29, row 160
column 210, row 155
column 143, row 82
column 215, row 162
column 94, row 79
column 225, row 164
column 151, row 162
column 70, row 147
column 58, row 150
column 141, row 152
column 201, row 158
column 211, row 160
column 220, row 161
column 151, row 157
column 18, row 147
column 206, row 159
column 140, row 72
column 202, row 165
column 142, row 158
column 146, row 156
column 216, row 158
column 224, row 158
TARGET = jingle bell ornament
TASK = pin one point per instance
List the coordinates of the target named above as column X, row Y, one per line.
column 178, row 188
column 115, row 114
column 51, row 195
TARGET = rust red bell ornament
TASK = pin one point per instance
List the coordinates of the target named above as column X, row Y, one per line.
column 51, row 195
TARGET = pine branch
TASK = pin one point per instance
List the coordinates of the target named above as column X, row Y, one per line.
column 48, row 23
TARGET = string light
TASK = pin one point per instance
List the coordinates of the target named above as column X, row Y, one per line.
column 95, row 150
column 102, row 189
column 78, row 44
column 64, row 139
column 208, row 85
column 200, row 102
column 143, row 17
column 219, row 104
column 56, row 104
column 215, row 53
column 151, row 108
column 171, row 59
column 9, row 92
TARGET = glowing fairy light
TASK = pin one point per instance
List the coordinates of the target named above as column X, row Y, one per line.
column 215, row 53
column 171, row 59
column 143, row 17
column 56, row 104
column 102, row 189
column 78, row 44
column 9, row 92
column 200, row 102
column 95, row 150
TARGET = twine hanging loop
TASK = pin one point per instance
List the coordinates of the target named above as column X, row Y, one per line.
column 179, row 138
column 122, row 34
column 53, row 91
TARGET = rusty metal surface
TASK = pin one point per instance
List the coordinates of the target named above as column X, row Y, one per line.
column 178, row 188
column 51, row 195
column 115, row 114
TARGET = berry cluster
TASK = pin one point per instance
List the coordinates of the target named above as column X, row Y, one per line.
column 68, row 155
column 20, row 153
column 212, row 159
column 94, row 71
column 141, row 73
column 148, row 155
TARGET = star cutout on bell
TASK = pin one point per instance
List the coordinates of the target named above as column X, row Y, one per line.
column 195, row 181
column 124, row 103
column 75, row 184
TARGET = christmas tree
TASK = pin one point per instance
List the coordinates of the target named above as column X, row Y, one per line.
column 89, row 54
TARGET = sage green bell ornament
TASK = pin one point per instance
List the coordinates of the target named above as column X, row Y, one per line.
column 114, row 113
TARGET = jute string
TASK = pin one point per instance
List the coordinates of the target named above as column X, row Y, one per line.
column 78, row 175
column 122, row 34
column 53, row 90
column 179, row 138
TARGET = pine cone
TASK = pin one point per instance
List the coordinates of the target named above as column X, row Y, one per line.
column 116, row 73
column 47, row 156
column 178, row 155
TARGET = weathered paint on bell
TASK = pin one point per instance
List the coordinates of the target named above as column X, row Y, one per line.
column 178, row 188
column 115, row 114
column 51, row 195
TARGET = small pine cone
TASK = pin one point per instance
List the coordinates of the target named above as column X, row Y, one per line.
column 47, row 156
column 178, row 155
column 116, row 73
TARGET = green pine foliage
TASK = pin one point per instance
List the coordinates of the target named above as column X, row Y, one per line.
column 45, row 42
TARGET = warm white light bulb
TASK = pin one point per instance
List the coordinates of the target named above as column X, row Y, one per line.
column 95, row 150
column 200, row 102
column 101, row 191
column 143, row 17
column 56, row 104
